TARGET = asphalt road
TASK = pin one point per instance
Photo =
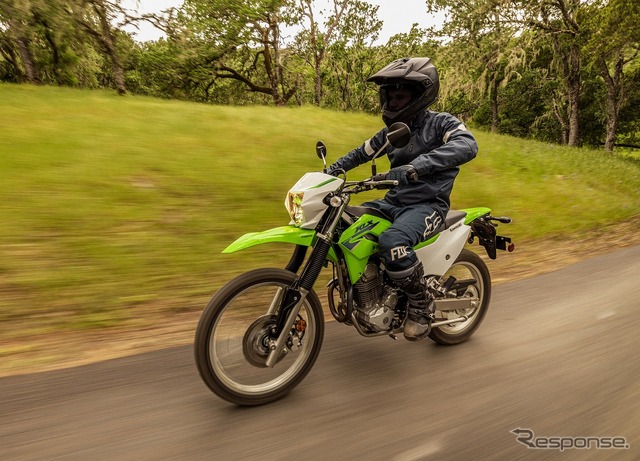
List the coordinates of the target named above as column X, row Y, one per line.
column 557, row 355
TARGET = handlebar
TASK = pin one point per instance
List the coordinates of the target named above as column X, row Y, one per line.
column 375, row 182
column 379, row 177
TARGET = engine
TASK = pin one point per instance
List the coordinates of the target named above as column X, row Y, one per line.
column 375, row 302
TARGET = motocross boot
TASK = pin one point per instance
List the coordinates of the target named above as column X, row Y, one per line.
column 421, row 307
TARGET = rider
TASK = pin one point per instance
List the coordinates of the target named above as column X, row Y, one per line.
column 425, row 170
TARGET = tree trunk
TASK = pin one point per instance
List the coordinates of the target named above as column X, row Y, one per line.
column 573, row 88
column 318, row 82
column 614, row 98
column 567, row 46
column 109, row 45
column 318, row 47
column 272, row 74
column 30, row 70
column 9, row 55
column 560, row 117
column 318, row 54
column 493, row 96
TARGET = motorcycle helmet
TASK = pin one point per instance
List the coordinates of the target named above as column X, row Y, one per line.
column 418, row 75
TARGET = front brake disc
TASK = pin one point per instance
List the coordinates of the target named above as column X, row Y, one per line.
column 255, row 343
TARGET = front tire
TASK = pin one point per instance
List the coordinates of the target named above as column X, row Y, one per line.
column 467, row 266
column 232, row 339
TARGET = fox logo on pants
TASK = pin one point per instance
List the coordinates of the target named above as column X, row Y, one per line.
column 399, row 252
column 431, row 222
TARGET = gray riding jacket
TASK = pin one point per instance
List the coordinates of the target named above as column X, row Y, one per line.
column 439, row 144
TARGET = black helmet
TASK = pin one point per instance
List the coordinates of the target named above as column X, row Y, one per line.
column 419, row 75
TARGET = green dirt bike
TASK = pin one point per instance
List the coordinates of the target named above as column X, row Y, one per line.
column 261, row 333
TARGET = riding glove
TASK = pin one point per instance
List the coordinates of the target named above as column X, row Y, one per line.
column 334, row 170
column 403, row 174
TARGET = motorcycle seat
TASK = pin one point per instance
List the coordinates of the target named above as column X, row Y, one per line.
column 453, row 216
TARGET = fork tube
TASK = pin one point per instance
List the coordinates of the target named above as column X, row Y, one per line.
column 321, row 249
column 277, row 300
column 296, row 259
column 313, row 267
column 276, row 349
column 305, row 283
column 301, row 287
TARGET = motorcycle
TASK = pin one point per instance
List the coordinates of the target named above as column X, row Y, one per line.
column 261, row 333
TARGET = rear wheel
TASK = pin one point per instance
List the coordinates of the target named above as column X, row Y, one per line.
column 470, row 269
column 235, row 333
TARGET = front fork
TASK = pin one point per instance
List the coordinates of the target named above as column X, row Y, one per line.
column 294, row 296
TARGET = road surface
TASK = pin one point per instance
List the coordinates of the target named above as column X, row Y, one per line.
column 557, row 356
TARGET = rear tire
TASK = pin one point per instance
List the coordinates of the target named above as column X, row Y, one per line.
column 233, row 335
column 467, row 265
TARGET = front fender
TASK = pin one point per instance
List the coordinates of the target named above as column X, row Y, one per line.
column 283, row 234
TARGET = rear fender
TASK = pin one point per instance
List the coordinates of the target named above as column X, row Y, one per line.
column 475, row 213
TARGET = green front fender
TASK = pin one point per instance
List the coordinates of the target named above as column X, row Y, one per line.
column 283, row 234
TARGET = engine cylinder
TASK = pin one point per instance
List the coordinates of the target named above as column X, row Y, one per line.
column 369, row 288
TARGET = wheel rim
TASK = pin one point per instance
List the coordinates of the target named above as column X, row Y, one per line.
column 236, row 346
column 464, row 270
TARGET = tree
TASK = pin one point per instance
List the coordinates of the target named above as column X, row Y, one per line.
column 352, row 58
column 315, row 41
column 561, row 22
column 484, row 54
column 558, row 21
column 96, row 18
column 243, row 43
column 614, row 43
column 16, row 33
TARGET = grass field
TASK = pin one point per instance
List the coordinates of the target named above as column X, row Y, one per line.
column 112, row 207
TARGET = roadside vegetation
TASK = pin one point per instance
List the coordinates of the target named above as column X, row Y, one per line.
column 562, row 71
column 114, row 208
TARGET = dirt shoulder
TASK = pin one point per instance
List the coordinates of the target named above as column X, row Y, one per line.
column 63, row 350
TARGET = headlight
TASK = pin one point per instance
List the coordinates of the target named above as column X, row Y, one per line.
column 294, row 207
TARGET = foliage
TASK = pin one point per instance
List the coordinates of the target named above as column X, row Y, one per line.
column 565, row 71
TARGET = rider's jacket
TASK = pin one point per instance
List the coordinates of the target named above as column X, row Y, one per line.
column 439, row 144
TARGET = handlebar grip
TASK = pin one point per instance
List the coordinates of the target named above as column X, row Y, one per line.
column 379, row 177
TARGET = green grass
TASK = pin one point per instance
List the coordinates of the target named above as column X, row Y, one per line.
column 117, row 208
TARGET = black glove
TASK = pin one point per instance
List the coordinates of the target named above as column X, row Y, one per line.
column 403, row 174
column 333, row 170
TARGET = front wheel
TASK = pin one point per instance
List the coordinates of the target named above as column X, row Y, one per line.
column 235, row 332
column 472, row 273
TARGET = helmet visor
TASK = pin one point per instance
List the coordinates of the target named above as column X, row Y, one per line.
column 395, row 97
